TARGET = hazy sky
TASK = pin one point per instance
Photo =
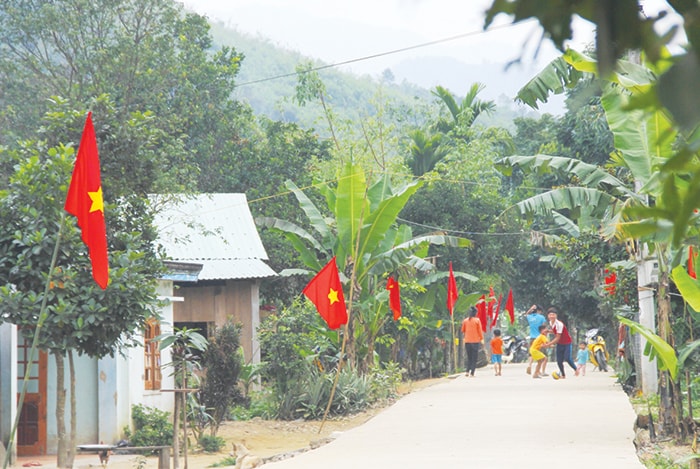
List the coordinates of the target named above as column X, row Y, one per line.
column 336, row 31
column 341, row 30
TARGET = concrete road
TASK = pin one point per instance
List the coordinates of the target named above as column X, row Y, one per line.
column 508, row 421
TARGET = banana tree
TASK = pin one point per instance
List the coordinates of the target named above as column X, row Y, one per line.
column 657, row 212
column 360, row 228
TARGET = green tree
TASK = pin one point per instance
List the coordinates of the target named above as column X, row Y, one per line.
column 186, row 346
column 463, row 114
column 151, row 60
column 361, row 231
column 222, row 363
column 425, row 152
column 81, row 317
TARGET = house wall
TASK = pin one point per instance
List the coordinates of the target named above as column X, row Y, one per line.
column 107, row 388
column 86, row 401
column 133, row 387
column 8, row 383
column 217, row 302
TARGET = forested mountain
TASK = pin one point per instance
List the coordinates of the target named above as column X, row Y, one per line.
column 267, row 82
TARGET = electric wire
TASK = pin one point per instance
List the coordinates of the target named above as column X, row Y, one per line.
column 381, row 54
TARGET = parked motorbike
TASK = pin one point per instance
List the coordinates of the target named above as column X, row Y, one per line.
column 515, row 349
column 597, row 353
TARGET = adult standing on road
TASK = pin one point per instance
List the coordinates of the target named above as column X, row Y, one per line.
column 473, row 336
column 562, row 340
column 535, row 319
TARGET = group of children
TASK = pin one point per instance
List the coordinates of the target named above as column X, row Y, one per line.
column 536, row 353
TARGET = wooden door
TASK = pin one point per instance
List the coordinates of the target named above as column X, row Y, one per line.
column 31, row 431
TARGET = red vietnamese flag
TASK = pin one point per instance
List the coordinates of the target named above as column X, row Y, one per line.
column 691, row 264
column 491, row 304
column 498, row 310
column 84, row 201
column 452, row 294
column 610, row 280
column 509, row 306
column 481, row 311
column 394, row 297
column 326, row 292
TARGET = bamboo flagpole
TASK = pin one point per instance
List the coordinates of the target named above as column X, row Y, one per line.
column 452, row 295
column 43, row 315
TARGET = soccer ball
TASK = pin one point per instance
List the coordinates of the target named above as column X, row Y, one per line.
column 555, row 375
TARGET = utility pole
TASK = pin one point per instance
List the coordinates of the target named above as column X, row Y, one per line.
column 647, row 278
column 647, row 281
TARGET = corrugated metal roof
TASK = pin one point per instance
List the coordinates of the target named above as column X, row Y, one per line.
column 215, row 230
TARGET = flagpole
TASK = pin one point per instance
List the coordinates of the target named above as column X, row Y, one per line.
column 454, row 344
column 35, row 342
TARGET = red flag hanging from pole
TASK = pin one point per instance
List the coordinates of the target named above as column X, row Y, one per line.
column 481, row 311
column 610, row 280
column 452, row 294
column 84, row 201
column 509, row 306
column 490, row 305
column 498, row 310
column 394, row 297
column 691, row 263
column 326, row 292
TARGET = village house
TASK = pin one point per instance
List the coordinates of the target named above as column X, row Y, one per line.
column 216, row 262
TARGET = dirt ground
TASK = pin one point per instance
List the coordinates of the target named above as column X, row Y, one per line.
column 260, row 440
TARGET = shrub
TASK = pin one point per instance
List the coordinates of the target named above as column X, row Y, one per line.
column 211, row 444
column 384, row 382
column 288, row 341
column 227, row 461
column 260, row 404
column 152, row 427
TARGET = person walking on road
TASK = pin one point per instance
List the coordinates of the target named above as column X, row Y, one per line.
column 535, row 319
column 473, row 339
column 497, row 351
column 562, row 340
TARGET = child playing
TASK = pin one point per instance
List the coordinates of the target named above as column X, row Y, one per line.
column 536, row 352
column 497, row 351
column 581, row 359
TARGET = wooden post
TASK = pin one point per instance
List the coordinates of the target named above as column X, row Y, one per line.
column 180, row 404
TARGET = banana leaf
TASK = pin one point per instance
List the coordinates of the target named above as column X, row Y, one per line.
column 656, row 347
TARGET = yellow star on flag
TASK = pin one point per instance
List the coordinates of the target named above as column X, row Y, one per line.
column 333, row 296
column 97, row 202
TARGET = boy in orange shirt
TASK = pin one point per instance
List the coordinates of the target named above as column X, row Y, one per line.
column 497, row 351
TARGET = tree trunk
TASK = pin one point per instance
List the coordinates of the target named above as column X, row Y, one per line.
column 73, row 412
column 61, row 455
column 669, row 413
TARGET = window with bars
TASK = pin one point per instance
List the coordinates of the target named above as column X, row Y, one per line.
column 151, row 356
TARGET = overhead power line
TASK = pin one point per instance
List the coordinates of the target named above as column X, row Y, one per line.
column 380, row 54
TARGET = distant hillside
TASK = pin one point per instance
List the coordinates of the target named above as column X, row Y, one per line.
column 351, row 96
column 457, row 76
